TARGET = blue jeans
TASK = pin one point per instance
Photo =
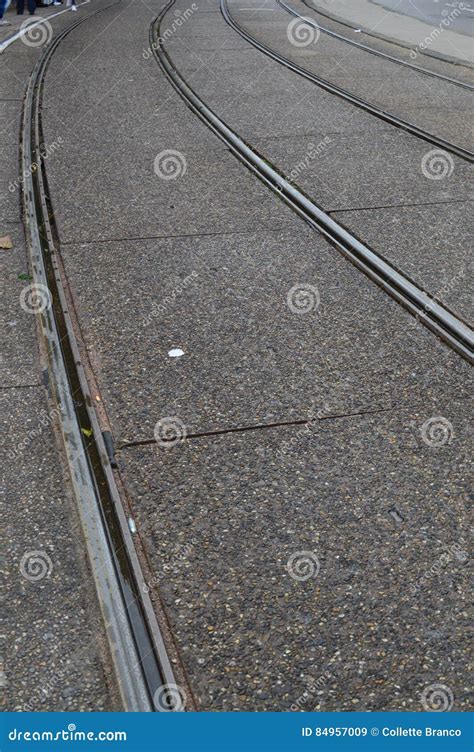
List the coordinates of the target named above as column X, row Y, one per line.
column 3, row 7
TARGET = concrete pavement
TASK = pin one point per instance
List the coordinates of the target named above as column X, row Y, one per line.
column 55, row 652
column 313, row 555
column 444, row 32
column 195, row 254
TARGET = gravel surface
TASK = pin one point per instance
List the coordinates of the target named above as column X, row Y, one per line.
column 248, row 357
column 378, row 500
column 438, row 258
column 55, row 649
column 401, row 91
column 459, row 72
column 56, row 657
column 377, row 615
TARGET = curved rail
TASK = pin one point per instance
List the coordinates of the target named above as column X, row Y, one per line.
column 137, row 649
column 344, row 94
column 366, row 48
column 426, row 309
column 373, row 33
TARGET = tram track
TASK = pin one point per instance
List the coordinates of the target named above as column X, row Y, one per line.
column 139, row 655
column 141, row 662
column 373, row 33
column 372, row 50
column 443, row 322
column 362, row 104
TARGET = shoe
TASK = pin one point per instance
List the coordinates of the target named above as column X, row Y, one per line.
column 73, row 7
column 57, row 2
column 5, row 23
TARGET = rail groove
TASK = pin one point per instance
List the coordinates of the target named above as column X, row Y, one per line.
column 428, row 52
column 137, row 649
column 371, row 50
column 387, row 117
column 426, row 309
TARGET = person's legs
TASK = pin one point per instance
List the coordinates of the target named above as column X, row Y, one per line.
column 3, row 7
column 20, row 7
column 32, row 6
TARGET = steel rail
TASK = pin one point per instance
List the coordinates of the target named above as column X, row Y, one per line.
column 136, row 645
column 426, row 309
column 371, row 50
column 390, row 40
column 411, row 128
